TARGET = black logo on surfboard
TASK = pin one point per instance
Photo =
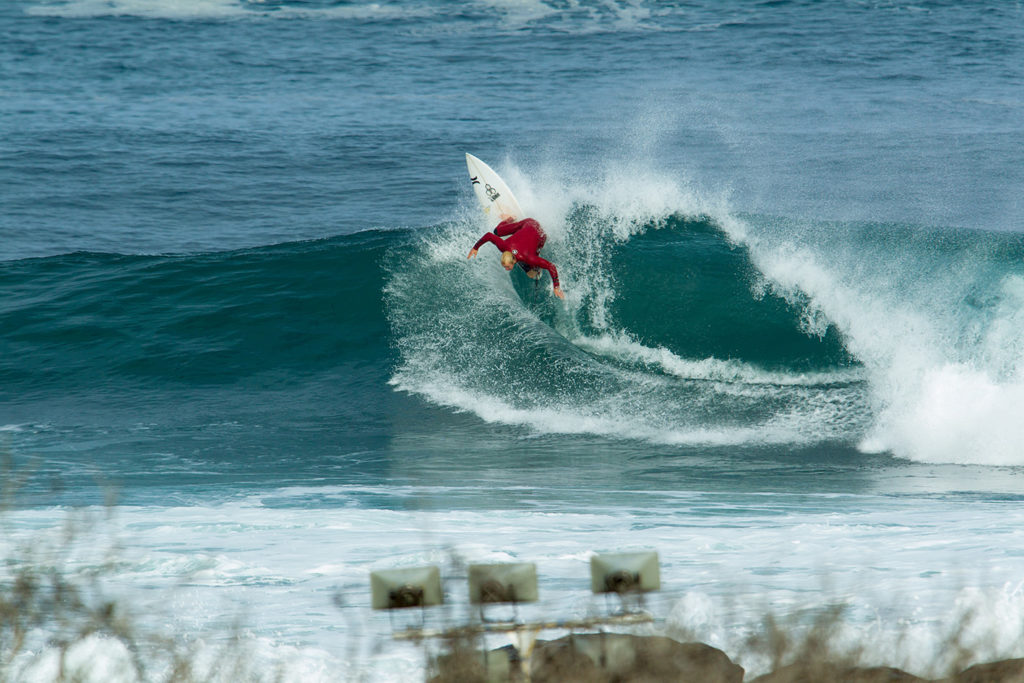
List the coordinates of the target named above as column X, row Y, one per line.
column 476, row 180
column 492, row 193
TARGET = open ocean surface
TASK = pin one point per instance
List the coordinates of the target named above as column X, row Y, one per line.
column 234, row 290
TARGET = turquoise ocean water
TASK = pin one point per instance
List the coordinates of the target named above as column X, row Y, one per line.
column 234, row 290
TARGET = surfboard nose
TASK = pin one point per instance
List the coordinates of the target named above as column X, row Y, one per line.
column 491, row 190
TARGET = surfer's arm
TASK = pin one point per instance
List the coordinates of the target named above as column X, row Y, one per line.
column 507, row 227
column 538, row 262
column 488, row 237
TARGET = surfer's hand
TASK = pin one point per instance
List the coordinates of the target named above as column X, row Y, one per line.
column 559, row 293
column 472, row 253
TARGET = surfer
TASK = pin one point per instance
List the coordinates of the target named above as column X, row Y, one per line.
column 525, row 239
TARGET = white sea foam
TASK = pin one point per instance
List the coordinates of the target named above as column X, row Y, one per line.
column 453, row 319
column 725, row 564
column 619, row 345
column 225, row 9
column 616, row 416
column 946, row 382
column 941, row 380
column 94, row 659
column 156, row 9
column 517, row 13
column 575, row 17
column 501, row 15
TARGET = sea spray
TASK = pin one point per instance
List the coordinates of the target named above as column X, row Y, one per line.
column 473, row 338
column 932, row 318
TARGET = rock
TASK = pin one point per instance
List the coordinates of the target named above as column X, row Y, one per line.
column 466, row 665
column 824, row 672
column 1006, row 671
column 630, row 659
column 560, row 661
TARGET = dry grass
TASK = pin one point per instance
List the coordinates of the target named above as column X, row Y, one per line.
column 58, row 623
column 810, row 647
column 55, row 616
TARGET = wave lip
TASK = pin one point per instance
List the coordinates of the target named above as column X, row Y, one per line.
column 934, row 317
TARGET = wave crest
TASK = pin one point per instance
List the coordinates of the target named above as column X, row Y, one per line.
column 607, row 362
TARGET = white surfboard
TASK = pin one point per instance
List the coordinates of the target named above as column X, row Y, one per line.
column 495, row 197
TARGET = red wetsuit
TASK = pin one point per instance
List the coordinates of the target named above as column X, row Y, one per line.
column 524, row 241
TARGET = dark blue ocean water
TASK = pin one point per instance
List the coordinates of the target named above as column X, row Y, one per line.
column 233, row 286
